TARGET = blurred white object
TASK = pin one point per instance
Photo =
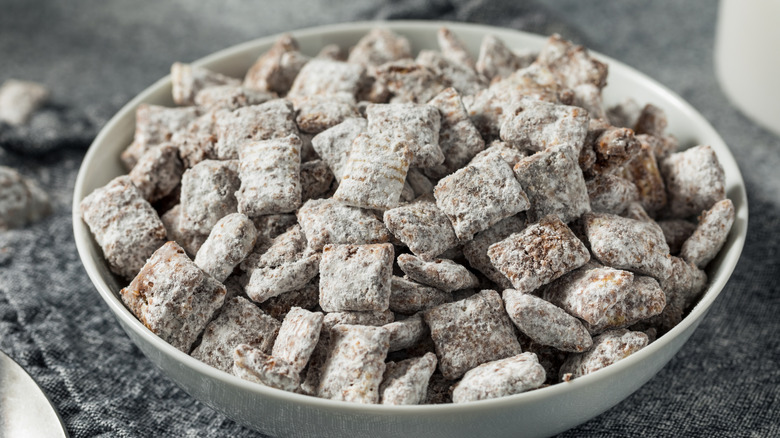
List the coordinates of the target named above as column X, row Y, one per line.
column 747, row 58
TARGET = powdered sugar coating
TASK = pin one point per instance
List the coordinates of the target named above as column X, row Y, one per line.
column 19, row 99
column 442, row 274
column 270, row 176
column 496, row 60
column 694, row 181
column 229, row 242
column 207, row 195
column 154, row 125
column 612, row 147
column 588, row 96
column 317, row 113
column 408, row 297
column 374, row 319
column 406, row 332
column 272, row 225
column 239, row 322
column 327, row 221
column 297, row 338
column 406, row 382
column 571, row 64
column 190, row 241
column 452, row 73
column 123, row 223
column 276, row 69
column 645, row 300
column 306, row 297
column 197, row 142
column 187, row 80
column 379, row 46
column 356, row 277
column 272, row 119
column 546, row 323
column 21, row 199
column 415, row 127
column 608, row 348
column 326, row 77
column 539, row 125
column 643, row 171
column 157, row 172
column 470, row 332
column 255, row 366
column 453, row 48
column 230, row 97
column 422, row 227
column 355, row 365
column 334, row 144
column 710, row 234
column 610, row 193
column 500, row 149
column 500, row 378
column 476, row 250
column 172, row 297
column 539, row 254
column 479, row 195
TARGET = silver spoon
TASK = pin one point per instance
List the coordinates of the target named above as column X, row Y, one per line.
column 25, row 411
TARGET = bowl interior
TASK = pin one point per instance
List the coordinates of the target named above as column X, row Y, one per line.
column 101, row 164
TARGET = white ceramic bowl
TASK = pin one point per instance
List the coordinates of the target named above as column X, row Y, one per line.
column 537, row 413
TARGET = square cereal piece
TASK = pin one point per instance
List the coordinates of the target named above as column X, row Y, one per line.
column 375, row 173
column 410, row 125
column 356, row 277
column 440, row 273
column 378, row 47
column 539, row 254
column 19, row 100
column 188, row 80
column 306, row 297
column 229, row 242
column 646, row 300
column 610, row 148
column 590, row 291
column 297, row 338
column 327, row 221
column 173, row 298
column 422, row 227
column 355, row 364
column 476, row 250
column 459, row 140
column 537, row 126
column 471, row 332
column 255, row 366
column 158, row 172
column 276, row 69
column 326, row 77
column 230, row 97
column 694, row 181
column 408, row 297
column 571, row 64
column 197, row 142
column 458, row 76
column 124, row 224
column 710, row 234
column 643, row 171
column 270, row 173
column 631, row 244
column 500, row 149
column 239, row 322
column 479, row 195
column 500, row 378
column 190, row 241
column 333, row 145
column 406, row 382
column 554, row 184
column 497, row 61
column 273, row 119
column 406, row 81
column 611, row 193
column 316, row 179
column 154, row 125
column 406, row 333
column 608, row 348
column 317, row 113
column 374, row 319
column 453, row 48
column 207, row 195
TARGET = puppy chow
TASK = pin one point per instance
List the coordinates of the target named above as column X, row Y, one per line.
column 500, row 378
column 356, row 277
column 270, row 177
column 406, row 382
column 188, row 80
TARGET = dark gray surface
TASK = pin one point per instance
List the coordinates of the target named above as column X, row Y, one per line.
column 95, row 56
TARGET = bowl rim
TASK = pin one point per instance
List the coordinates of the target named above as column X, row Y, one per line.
column 737, row 236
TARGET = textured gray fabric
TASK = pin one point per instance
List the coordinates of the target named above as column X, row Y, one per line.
column 94, row 56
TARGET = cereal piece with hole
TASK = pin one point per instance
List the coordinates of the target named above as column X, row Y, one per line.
column 173, row 298
column 255, row 366
column 710, row 234
column 458, row 138
column 554, row 184
column 462, row 78
column 207, row 195
column 611, row 148
column 356, row 277
column 476, row 250
column 406, row 382
column 230, row 97
column 406, row 81
column 270, row 173
column 375, row 173
column 316, row 179
column 497, row 61
column 19, row 100
column 471, row 332
column 276, row 69
column 297, row 338
column 453, row 48
column 406, row 333
column 537, row 126
column 694, row 181
column 608, row 348
column 539, row 254
column 500, row 149
column 374, row 319
column 676, row 232
column 154, row 125
column 355, row 365
column 422, row 227
column 317, row 113
column 306, row 297
column 198, row 141
column 270, row 120
column 408, row 297
column 610, row 193
column 442, row 274
column 572, row 64
column 125, row 226
column 158, row 172
column 500, row 378
column 188, row 80
column 643, row 171
column 479, row 196
column 229, row 242
column 378, row 47
column 333, row 145
column 408, row 125
column 327, row 221
column 190, row 241
column 645, row 300
column 239, row 322
column 22, row 200
column 545, row 323
column 590, row 291
column 631, row 244
column 325, row 77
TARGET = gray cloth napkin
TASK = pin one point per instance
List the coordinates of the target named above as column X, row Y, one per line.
column 95, row 56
